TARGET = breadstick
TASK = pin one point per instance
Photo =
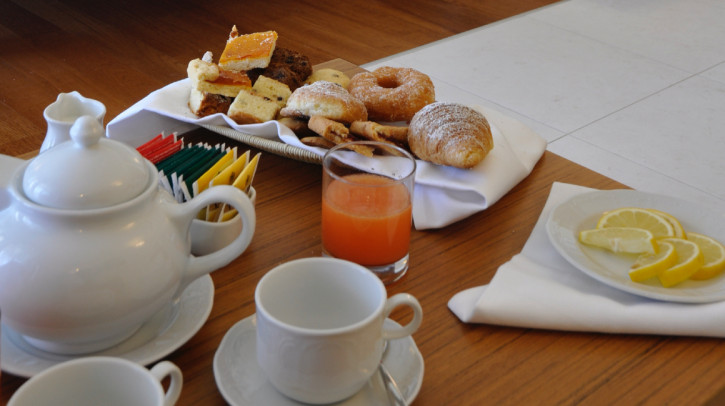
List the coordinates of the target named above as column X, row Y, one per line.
column 298, row 126
column 317, row 142
column 377, row 132
column 330, row 129
column 336, row 132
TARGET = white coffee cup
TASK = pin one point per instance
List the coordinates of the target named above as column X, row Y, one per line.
column 108, row 381
column 320, row 327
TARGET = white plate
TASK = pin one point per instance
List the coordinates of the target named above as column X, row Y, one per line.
column 166, row 331
column 582, row 212
column 242, row 382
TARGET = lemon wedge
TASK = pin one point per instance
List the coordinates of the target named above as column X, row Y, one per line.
column 620, row 239
column 637, row 218
column 713, row 253
column 676, row 226
column 689, row 261
column 651, row 265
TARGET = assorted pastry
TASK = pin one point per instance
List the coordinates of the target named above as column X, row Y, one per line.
column 255, row 81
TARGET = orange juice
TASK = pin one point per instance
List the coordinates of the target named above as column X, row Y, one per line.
column 366, row 219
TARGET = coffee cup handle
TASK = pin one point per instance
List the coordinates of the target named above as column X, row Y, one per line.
column 161, row 371
column 403, row 299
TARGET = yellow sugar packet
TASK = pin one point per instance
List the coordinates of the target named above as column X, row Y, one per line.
column 243, row 182
column 226, row 177
column 203, row 182
column 230, row 173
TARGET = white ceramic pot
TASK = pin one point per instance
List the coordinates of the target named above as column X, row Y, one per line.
column 91, row 247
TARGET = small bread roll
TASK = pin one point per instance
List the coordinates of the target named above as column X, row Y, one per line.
column 325, row 99
column 450, row 134
column 330, row 75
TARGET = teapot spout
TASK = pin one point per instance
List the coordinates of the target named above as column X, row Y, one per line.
column 61, row 114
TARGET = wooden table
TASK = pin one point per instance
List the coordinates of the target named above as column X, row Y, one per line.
column 464, row 364
column 117, row 52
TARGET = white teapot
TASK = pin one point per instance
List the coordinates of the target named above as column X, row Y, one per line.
column 91, row 247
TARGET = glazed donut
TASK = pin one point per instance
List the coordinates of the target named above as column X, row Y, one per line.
column 392, row 94
column 325, row 99
column 450, row 134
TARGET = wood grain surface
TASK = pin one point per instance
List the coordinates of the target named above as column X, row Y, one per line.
column 118, row 52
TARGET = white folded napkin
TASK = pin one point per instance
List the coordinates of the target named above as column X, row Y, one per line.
column 538, row 288
column 443, row 195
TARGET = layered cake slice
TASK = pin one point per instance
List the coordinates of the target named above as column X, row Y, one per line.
column 212, row 88
column 249, row 51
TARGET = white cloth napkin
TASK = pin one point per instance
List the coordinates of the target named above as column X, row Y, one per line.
column 443, row 195
column 539, row 289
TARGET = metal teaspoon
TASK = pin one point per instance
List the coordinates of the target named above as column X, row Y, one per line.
column 391, row 388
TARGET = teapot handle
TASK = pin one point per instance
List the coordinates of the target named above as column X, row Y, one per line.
column 185, row 213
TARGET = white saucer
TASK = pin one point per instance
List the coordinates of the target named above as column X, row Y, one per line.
column 242, row 382
column 166, row 331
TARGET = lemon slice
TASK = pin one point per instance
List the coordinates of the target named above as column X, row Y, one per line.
column 637, row 218
column 676, row 226
column 651, row 265
column 689, row 261
column 713, row 253
column 620, row 239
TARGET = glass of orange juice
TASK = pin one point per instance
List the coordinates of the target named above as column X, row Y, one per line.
column 367, row 191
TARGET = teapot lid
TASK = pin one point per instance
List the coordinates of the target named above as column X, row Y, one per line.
column 88, row 172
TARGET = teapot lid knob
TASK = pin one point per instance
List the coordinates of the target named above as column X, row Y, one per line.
column 86, row 131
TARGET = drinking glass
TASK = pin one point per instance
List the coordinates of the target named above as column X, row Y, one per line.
column 367, row 190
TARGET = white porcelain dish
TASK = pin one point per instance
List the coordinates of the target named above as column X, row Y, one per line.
column 582, row 212
column 242, row 382
column 165, row 332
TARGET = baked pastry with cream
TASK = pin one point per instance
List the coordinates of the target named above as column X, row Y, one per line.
column 325, row 99
column 248, row 51
column 450, row 134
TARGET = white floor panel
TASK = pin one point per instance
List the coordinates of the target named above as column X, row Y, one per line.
column 630, row 173
column 684, row 34
column 553, row 76
column 678, row 132
column 715, row 73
